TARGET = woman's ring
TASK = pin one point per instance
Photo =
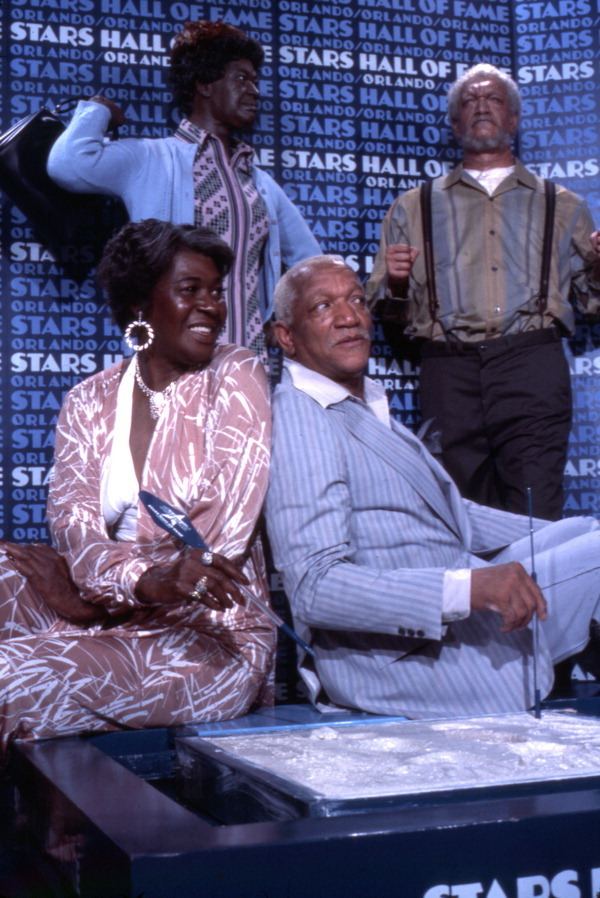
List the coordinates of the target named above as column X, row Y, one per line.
column 200, row 588
column 207, row 558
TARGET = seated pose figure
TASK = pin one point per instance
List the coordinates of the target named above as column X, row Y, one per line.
column 416, row 601
column 120, row 625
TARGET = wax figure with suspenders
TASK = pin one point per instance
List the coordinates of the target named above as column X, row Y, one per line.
column 484, row 280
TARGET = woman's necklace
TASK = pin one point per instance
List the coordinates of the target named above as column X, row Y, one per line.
column 156, row 398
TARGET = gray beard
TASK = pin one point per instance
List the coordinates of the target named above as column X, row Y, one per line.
column 501, row 141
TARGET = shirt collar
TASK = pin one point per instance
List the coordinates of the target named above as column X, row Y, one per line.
column 327, row 392
column 187, row 130
column 520, row 173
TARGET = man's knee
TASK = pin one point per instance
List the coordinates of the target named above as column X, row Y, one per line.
column 560, row 532
column 582, row 525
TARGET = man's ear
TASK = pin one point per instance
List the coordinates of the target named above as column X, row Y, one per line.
column 284, row 337
column 203, row 90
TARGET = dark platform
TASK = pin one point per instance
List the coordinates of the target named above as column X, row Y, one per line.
column 105, row 810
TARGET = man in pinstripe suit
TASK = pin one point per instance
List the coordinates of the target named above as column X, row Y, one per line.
column 416, row 601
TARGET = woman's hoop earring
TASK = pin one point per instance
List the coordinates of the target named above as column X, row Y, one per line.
column 131, row 327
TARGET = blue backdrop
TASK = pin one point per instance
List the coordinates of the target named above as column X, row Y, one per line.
column 352, row 112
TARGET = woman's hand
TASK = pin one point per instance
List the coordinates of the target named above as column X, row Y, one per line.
column 47, row 572
column 177, row 583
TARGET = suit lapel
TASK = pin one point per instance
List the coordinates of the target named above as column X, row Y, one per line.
column 399, row 449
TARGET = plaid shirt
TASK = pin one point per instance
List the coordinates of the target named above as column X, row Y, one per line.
column 487, row 254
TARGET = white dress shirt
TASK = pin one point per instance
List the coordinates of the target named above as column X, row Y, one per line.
column 490, row 178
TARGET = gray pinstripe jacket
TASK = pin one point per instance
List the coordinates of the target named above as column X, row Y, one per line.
column 363, row 523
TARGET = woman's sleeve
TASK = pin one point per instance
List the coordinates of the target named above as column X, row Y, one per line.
column 237, row 452
column 105, row 571
column 222, row 472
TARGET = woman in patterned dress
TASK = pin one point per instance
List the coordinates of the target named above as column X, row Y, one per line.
column 120, row 625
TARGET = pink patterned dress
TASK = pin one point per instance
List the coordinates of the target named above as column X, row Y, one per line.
column 209, row 456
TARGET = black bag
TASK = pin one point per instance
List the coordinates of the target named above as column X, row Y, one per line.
column 73, row 226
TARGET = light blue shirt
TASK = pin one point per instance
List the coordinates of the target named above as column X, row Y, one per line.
column 154, row 178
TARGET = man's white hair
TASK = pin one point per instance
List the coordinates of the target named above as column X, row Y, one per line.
column 288, row 289
column 483, row 69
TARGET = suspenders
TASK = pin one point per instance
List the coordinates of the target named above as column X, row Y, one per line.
column 425, row 198
column 542, row 299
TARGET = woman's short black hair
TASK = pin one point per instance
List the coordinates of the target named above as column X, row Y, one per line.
column 200, row 53
column 137, row 256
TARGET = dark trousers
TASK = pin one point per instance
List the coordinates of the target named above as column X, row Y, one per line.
column 503, row 411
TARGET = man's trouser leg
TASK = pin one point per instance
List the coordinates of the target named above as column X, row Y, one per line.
column 567, row 563
column 526, row 395
column 450, row 396
column 503, row 409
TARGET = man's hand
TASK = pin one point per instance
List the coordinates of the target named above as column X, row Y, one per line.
column 117, row 116
column 508, row 590
column 399, row 260
column 595, row 241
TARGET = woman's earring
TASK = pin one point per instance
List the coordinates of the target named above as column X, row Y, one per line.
column 134, row 325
